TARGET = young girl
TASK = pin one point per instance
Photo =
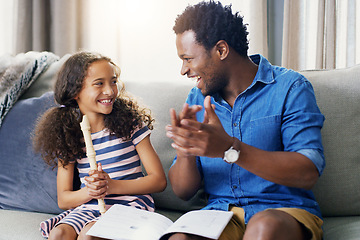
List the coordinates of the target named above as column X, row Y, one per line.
column 87, row 84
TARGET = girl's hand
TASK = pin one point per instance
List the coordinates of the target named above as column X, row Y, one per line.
column 97, row 183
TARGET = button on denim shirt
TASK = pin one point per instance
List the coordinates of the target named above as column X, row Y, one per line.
column 277, row 112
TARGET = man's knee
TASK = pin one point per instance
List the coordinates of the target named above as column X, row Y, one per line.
column 270, row 218
column 182, row 236
column 177, row 236
column 262, row 223
column 274, row 223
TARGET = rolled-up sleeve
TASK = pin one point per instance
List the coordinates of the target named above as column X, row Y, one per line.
column 316, row 157
column 302, row 123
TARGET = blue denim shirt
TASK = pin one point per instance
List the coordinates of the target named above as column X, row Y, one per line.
column 278, row 112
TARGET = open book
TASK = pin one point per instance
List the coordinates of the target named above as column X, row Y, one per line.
column 123, row 222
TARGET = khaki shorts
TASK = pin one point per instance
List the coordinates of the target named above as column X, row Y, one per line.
column 236, row 227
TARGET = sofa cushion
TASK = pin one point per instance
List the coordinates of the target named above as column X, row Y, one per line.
column 18, row 225
column 26, row 182
column 336, row 228
column 338, row 96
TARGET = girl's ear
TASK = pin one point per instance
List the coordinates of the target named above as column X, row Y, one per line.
column 222, row 49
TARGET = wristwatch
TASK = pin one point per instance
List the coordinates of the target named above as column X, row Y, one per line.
column 231, row 155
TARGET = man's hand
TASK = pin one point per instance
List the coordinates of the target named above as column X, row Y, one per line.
column 186, row 113
column 193, row 138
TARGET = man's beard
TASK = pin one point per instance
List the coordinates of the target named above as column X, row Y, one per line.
column 215, row 85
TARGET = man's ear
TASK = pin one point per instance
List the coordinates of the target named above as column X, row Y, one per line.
column 222, row 49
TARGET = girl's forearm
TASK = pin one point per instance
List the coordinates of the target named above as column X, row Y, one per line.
column 73, row 199
column 144, row 185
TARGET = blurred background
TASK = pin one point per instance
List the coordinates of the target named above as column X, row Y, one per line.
column 138, row 35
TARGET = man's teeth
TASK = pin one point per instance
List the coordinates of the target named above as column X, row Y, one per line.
column 106, row 101
column 195, row 78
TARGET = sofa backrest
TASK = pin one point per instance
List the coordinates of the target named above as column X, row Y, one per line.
column 338, row 97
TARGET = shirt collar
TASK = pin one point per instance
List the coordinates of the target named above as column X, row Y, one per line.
column 264, row 73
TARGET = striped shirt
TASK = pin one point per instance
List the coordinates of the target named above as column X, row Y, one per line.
column 121, row 161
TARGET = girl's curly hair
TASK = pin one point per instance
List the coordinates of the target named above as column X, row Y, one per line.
column 58, row 135
column 211, row 23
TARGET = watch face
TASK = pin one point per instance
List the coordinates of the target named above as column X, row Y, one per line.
column 231, row 155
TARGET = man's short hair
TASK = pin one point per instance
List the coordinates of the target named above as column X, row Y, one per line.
column 211, row 22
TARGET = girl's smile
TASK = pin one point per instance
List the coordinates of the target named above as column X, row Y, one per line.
column 99, row 89
column 106, row 101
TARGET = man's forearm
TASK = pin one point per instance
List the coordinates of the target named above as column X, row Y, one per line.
column 185, row 177
column 291, row 169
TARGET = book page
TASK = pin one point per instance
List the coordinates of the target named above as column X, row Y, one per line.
column 123, row 222
column 206, row 223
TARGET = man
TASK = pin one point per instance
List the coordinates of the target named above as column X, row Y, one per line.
column 250, row 131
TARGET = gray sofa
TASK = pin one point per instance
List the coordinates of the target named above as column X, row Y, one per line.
column 28, row 186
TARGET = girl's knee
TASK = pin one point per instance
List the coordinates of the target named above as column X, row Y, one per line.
column 86, row 228
column 62, row 231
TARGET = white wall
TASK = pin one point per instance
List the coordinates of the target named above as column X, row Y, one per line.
column 6, row 26
column 144, row 39
column 136, row 34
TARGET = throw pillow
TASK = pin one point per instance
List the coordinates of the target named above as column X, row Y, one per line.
column 26, row 182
